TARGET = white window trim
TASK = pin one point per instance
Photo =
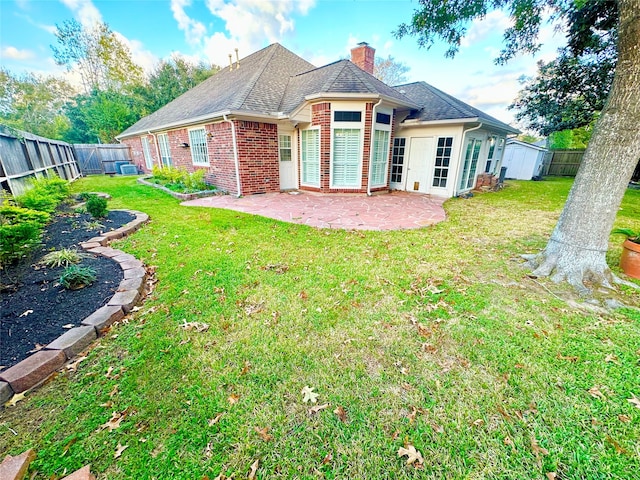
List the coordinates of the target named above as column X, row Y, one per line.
column 385, row 128
column 349, row 126
column 146, row 152
column 451, row 161
column 463, row 152
column 290, row 147
column 193, row 162
column 168, row 145
column 302, row 182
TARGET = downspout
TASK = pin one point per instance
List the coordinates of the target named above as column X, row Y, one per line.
column 155, row 141
column 235, row 153
column 371, row 140
column 464, row 135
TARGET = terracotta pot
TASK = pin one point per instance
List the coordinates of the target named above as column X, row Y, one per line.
column 630, row 259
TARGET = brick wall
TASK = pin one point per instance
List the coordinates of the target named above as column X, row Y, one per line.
column 258, row 157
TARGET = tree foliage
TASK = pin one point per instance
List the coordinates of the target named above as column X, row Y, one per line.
column 34, row 103
column 101, row 58
column 567, row 93
column 390, row 71
column 171, row 78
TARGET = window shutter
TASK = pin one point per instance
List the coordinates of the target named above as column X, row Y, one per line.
column 346, row 157
column 311, row 157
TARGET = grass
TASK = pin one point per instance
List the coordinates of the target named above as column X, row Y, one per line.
column 434, row 337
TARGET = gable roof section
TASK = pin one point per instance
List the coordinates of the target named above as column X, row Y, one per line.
column 256, row 86
column 341, row 77
column 435, row 105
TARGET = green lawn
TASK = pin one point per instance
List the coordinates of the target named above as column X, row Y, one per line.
column 434, row 338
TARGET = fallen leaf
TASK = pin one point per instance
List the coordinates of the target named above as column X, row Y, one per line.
column 341, row 413
column 552, row 475
column 113, row 391
column 37, row 348
column 327, row 458
column 634, row 400
column 68, row 325
column 611, row 358
column 263, row 433
column 197, row 326
column 478, row 423
column 317, row 408
column 619, row 448
column 395, row 434
column 596, row 393
column 412, row 415
column 119, row 450
column 233, row 398
column 15, row 399
column 25, row 313
column 212, row 421
column 624, row 418
column 208, row 450
column 73, row 366
column 254, row 469
column 507, row 441
column 308, row 395
column 246, row 368
column 567, row 358
column 537, row 449
column 113, row 422
column 436, row 428
column 411, row 453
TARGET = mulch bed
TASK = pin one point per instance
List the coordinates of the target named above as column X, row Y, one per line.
column 34, row 308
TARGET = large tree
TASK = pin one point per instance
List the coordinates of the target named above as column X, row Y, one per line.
column 171, row 78
column 101, row 58
column 577, row 247
column 34, row 103
column 390, row 71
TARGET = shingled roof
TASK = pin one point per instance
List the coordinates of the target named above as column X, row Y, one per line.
column 437, row 105
column 256, row 86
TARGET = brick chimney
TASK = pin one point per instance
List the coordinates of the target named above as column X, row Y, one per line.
column 364, row 56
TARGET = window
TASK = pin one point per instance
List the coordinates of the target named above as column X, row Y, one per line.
column 342, row 116
column 285, row 147
column 198, row 143
column 380, row 156
column 310, row 151
column 165, row 152
column 397, row 159
column 383, row 118
column 443, row 159
column 148, row 159
column 346, row 157
column 470, row 163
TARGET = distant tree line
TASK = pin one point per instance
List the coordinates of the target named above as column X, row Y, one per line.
column 114, row 94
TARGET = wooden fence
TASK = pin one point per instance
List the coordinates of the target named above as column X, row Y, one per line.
column 563, row 163
column 24, row 156
column 101, row 158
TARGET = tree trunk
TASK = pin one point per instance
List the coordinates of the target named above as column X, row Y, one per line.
column 576, row 250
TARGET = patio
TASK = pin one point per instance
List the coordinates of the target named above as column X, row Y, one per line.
column 393, row 211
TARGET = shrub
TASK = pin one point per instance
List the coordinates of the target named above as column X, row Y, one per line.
column 168, row 174
column 63, row 257
column 20, row 231
column 75, row 277
column 45, row 194
column 97, row 206
column 179, row 179
column 195, row 181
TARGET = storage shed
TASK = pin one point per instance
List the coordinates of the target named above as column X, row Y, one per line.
column 523, row 160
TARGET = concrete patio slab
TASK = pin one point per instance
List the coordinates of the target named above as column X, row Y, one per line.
column 392, row 211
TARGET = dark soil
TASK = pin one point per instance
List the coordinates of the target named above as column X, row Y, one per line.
column 34, row 308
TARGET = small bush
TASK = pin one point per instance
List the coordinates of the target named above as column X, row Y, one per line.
column 63, row 258
column 20, row 231
column 44, row 195
column 97, row 206
column 75, row 277
column 179, row 179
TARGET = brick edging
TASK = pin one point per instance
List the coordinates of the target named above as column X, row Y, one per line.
column 35, row 369
column 180, row 196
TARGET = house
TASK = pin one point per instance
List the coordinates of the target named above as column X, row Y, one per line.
column 273, row 122
column 523, row 160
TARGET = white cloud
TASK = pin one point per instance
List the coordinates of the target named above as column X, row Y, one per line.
column 85, row 11
column 194, row 30
column 13, row 53
column 495, row 21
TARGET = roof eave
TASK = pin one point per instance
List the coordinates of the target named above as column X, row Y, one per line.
column 450, row 121
column 360, row 96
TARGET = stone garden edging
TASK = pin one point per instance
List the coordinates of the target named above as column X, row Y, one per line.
column 179, row 196
column 35, row 369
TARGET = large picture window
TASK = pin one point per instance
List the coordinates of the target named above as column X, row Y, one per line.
column 346, row 157
column 380, row 156
column 165, row 151
column 198, row 143
column 442, row 161
column 310, row 150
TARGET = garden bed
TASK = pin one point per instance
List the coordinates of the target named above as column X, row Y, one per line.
column 179, row 195
column 34, row 308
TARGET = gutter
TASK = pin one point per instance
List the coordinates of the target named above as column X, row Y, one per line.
column 371, row 143
column 155, row 140
column 235, row 152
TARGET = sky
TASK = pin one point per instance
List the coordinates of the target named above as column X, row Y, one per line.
column 321, row 31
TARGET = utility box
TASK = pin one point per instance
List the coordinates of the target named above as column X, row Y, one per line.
column 128, row 169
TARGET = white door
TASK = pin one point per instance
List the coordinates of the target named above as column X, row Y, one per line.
column 288, row 180
column 420, row 164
